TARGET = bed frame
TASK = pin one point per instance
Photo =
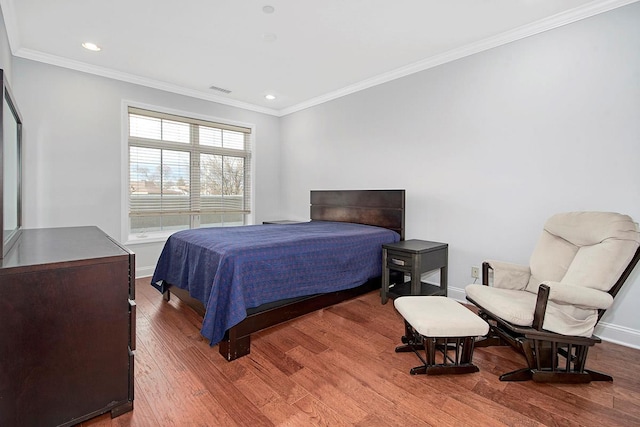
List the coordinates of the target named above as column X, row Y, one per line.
column 382, row 208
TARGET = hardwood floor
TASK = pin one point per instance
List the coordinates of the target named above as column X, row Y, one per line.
column 338, row 367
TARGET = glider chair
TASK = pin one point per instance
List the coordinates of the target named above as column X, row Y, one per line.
column 549, row 309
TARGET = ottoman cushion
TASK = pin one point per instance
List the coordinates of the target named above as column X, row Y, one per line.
column 436, row 316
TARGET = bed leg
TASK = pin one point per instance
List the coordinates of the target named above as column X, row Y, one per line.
column 232, row 347
column 166, row 295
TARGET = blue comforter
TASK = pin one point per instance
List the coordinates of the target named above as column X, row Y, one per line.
column 232, row 269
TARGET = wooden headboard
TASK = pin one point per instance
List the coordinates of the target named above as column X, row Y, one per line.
column 382, row 208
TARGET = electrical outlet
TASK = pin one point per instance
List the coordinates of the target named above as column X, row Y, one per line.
column 475, row 272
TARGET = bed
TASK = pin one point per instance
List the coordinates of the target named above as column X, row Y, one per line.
column 245, row 279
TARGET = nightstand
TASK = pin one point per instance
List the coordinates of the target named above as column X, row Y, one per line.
column 413, row 258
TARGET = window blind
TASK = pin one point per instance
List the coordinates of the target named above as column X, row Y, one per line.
column 186, row 172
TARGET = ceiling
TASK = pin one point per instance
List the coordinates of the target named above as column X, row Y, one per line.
column 304, row 52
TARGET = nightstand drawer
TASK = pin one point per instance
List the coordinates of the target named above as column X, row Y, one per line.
column 402, row 260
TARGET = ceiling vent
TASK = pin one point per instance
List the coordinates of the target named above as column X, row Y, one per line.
column 219, row 89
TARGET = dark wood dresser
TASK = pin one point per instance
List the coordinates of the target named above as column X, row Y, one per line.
column 67, row 327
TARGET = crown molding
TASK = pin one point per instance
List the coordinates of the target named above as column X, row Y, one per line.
column 555, row 21
column 138, row 80
column 591, row 9
column 13, row 35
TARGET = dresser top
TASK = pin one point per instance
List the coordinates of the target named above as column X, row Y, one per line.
column 46, row 246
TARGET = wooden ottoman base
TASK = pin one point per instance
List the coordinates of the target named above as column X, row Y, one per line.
column 455, row 353
column 444, row 329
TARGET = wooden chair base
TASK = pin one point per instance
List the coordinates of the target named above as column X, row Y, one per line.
column 444, row 369
column 549, row 376
column 551, row 358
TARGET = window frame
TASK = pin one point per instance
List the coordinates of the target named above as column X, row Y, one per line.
column 161, row 236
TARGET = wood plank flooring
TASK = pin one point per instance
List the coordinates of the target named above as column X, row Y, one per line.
column 337, row 367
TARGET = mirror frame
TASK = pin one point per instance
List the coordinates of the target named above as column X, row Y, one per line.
column 9, row 238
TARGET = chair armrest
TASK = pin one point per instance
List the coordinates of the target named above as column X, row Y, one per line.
column 506, row 275
column 580, row 296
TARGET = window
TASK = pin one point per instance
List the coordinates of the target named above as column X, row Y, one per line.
column 186, row 173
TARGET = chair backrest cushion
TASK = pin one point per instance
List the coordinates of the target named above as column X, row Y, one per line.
column 589, row 249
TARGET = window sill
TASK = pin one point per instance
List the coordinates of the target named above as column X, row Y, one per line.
column 133, row 239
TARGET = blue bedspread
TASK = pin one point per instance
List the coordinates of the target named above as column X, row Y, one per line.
column 232, row 269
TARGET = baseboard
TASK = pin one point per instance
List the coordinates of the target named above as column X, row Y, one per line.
column 618, row 335
column 144, row 272
column 457, row 294
column 606, row 331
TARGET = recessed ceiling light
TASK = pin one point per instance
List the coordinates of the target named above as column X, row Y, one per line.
column 270, row 97
column 268, row 9
column 91, row 46
column 269, row 37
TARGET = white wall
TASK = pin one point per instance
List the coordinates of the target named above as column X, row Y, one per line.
column 491, row 145
column 73, row 141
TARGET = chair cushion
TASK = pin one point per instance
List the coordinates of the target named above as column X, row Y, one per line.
column 590, row 228
column 517, row 307
column 512, row 305
column 550, row 260
column 435, row 316
column 564, row 293
column 600, row 266
column 508, row 275
column 589, row 249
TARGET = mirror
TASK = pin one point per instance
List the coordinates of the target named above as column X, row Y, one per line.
column 10, row 169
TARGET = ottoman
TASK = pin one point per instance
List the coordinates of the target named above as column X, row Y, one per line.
column 441, row 326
